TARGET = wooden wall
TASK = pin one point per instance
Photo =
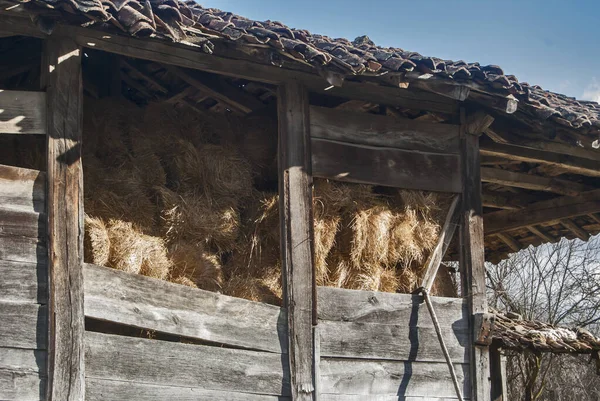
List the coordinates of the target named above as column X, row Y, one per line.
column 23, row 284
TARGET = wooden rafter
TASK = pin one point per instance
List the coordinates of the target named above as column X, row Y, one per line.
column 575, row 229
column 512, row 243
column 145, row 76
column 532, row 182
column 541, row 233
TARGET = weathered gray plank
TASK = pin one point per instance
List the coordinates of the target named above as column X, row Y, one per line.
column 22, row 188
column 16, row 222
column 383, row 131
column 22, row 249
column 407, row 169
column 401, row 379
column 401, row 342
column 144, row 302
column 23, row 282
column 22, row 112
column 61, row 68
column 23, row 360
column 115, row 390
column 23, row 325
column 21, row 386
column 187, row 365
column 297, row 253
column 338, row 304
column 382, row 397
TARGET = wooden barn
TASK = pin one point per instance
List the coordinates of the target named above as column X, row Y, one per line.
column 518, row 165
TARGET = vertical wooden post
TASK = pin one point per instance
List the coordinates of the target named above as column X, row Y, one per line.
column 498, row 375
column 295, row 205
column 62, row 70
column 473, row 248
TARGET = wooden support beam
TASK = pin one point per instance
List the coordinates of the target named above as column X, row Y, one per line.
column 435, row 257
column 541, row 233
column 502, row 200
column 594, row 217
column 568, row 163
column 295, row 205
column 575, row 229
column 64, row 95
column 185, row 56
column 472, row 259
column 543, row 212
column 498, row 375
column 145, row 76
column 533, row 182
column 22, row 112
column 512, row 243
column 132, row 83
column 175, row 98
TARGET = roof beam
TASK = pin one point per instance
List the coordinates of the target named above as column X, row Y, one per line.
column 185, row 56
column 532, row 182
column 542, row 212
column 512, row 243
column 541, row 233
column 146, row 77
column 575, row 229
column 509, row 202
column 568, row 163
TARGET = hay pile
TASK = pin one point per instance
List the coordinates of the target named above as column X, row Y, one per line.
column 191, row 198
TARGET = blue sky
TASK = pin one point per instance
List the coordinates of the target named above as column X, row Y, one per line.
column 551, row 43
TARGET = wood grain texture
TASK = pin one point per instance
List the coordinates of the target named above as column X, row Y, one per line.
column 336, row 304
column 22, row 188
column 472, row 258
column 116, row 390
column 19, row 223
column 139, row 301
column 382, row 397
column 21, row 386
column 402, row 341
column 22, row 112
column 295, row 205
column 543, row 212
column 23, row 282
column 166, row 363
column 64, row 94
column 533, row 182
column 384, row 379
column 385, row 166
column 23, row 325
column 383, row 131
column 23, row 249
column 23, row 360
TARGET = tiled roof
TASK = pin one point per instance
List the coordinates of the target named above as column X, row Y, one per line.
column 189, row 22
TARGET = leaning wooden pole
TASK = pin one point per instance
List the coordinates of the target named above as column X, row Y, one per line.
column 64, row 94
column 472, row 247
column 295, row 205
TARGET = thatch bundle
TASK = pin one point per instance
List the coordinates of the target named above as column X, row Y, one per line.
column 173, row 198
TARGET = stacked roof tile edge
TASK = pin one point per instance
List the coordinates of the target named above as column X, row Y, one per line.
column 189, row 22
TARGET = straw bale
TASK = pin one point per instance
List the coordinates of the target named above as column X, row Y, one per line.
column 96, row 241
column 134, row 252
column 193, row 266
column 267, row 289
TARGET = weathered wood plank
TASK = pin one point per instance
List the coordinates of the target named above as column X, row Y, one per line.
column 23, row 325
column 21, row 386
column 378, row 378
column 336, row 304
column 297, row 253
column 384, row 397
column 533, row 182
column 472, row 258
column 22, row 188
column 23, row 282
column 64, row 91
column 383, row 131
column 575, row 229
column 432, row 263
column 22, row 249
column 512, row 243
column 23, row 360
column 115, row 390
column 543, row 212
column 211, row 368
column 22, row 112
column 401, row 342
column 16, row 222
column 385, row 166
column 139, row 301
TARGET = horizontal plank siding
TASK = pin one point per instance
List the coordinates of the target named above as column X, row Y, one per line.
column 400, row 342
column 406, row 169
column 377, row 378
column 23, row 249
column 383, row 131
column 382, row 397
column 23, row 282
column 23, row 325
column 22, row 112
column 21, row 386
column 176, row 364
column 15, row 222
column 387, row 308
column 115, row 390
column 139, row 301
column 23, row 360
column 22, row 188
